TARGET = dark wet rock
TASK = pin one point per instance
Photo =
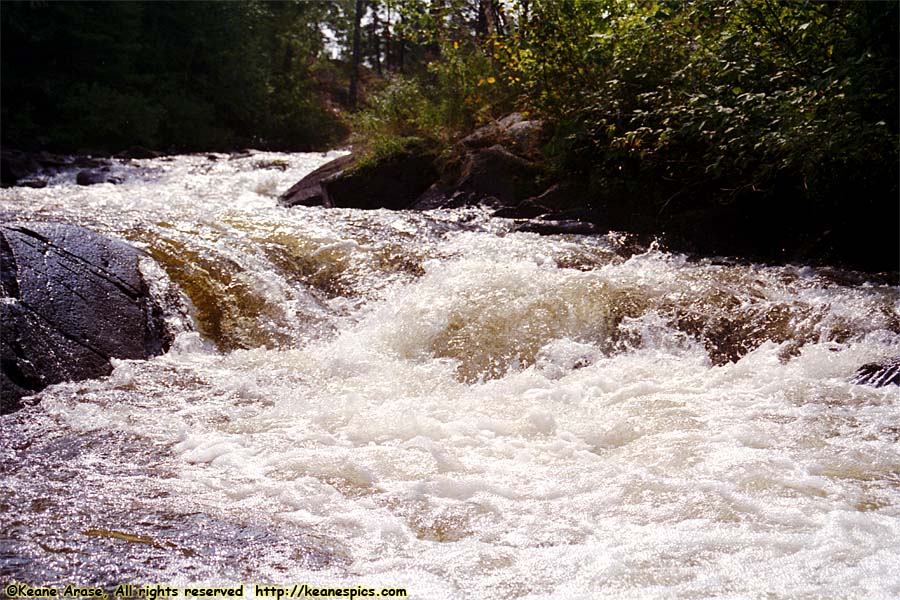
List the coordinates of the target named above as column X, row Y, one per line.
column 562, row 201
column 491, row 176
column 33, row 182
column 497, row 172
column 16, row 166
column 562, row 227
column 91, row 177
column 524, row 210
column 566, row 196
column 32, row 169
column 392, row 182
column 433, row 198
column 497, row 166
column 138, row 152
column 879, row 374
column 72, row 299
column 309, row 191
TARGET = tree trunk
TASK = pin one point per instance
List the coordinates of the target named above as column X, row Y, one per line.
column 374, row 39
column 386, row 34
column 354, row 67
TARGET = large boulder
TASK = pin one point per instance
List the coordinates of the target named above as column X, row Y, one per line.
column 498, row 173
column 393, row 181
column 72, row 299
column 497, row 165
column 491, row 176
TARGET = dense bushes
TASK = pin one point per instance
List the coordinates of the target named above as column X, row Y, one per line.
column 731, row 97
column 719, row 100
column 763, row 128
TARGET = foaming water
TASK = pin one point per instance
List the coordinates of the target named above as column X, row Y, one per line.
column 431, row 401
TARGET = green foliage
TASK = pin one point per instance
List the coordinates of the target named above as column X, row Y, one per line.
column 454, row 83
column 454, row 95
column 398, row 110
column 733, row 97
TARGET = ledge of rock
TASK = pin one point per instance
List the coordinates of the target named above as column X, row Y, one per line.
column 72, row 299
column 392, row 182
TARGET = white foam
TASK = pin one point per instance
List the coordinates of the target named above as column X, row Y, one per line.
column 475, row 413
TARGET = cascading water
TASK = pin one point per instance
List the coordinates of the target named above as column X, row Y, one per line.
column 430, row 401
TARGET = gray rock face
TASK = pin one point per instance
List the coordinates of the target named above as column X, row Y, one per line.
column 72, row 299
column 522, row 137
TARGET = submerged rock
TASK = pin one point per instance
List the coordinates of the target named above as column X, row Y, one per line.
column 560, row 227
column 90, row 177
column 879, row 374
column 72, row 299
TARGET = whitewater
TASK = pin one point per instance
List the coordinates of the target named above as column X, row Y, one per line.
column 434, row 401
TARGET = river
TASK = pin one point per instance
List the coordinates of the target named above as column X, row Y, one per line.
column 435, row 402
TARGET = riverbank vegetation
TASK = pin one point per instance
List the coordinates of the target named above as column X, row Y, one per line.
column 762, row 128
column 725, row 98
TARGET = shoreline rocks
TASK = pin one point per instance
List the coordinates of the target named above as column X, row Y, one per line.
column 33, row 169
column 501, row 166
column 72, row 299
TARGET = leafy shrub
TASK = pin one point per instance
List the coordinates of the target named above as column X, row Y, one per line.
column 728, row 96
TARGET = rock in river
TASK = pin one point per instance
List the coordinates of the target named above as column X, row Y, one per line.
column 392, row 182
column 72, row 299
column 879, row 374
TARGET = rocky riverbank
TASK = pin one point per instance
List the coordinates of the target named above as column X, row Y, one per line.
column 502, row 167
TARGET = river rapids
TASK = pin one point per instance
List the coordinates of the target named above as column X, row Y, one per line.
column 433, row 401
